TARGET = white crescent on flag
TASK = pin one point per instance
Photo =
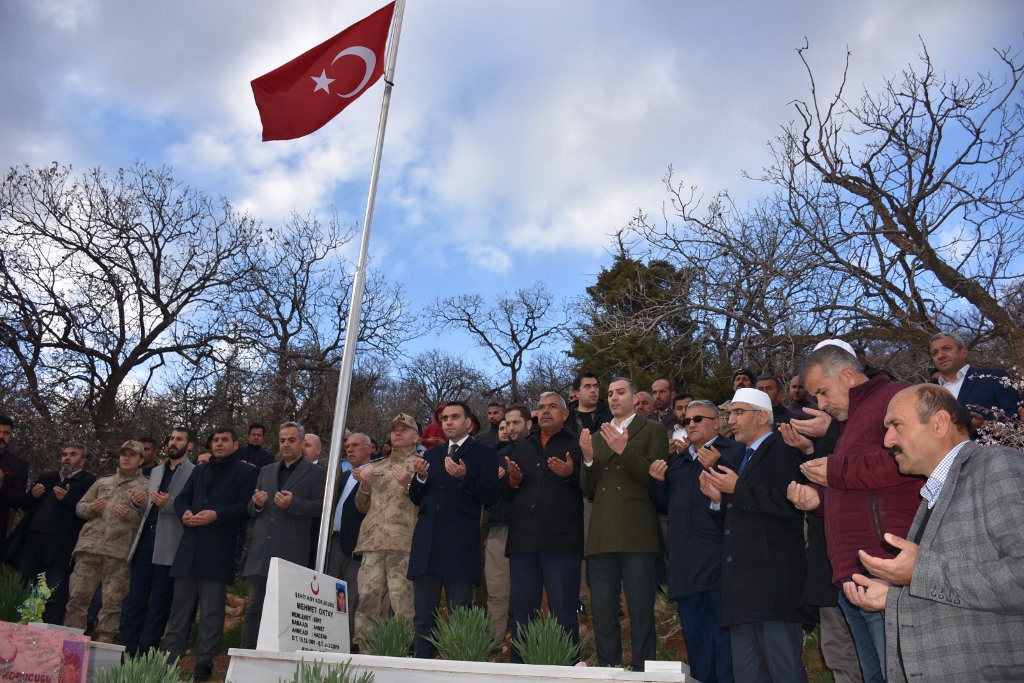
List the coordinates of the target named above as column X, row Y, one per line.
column 369, row 58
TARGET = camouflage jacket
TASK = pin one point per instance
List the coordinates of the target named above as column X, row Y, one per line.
column 390, row 515
column 108, row 533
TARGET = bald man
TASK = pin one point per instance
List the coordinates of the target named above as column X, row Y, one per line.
column 312, row 448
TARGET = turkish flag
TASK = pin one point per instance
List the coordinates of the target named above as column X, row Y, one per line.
column 301, row 96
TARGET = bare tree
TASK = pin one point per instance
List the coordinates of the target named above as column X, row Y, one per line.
column 748, row 285
column 293, row 304
column 894, row 216
column 515, row 325
column 103, row 278
column 435, row 376
column 915, row 196
column 548, row 372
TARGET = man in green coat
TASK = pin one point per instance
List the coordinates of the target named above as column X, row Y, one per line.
column 623, row 538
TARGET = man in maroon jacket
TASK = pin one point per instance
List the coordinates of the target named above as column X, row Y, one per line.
column 859, row 486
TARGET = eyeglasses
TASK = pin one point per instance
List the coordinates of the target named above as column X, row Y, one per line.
column 741, row 411
column 696, row 419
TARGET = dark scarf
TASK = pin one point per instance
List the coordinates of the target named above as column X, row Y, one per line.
column 218, row 465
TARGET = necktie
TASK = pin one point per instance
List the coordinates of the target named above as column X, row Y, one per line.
column 746, row 459
column 451, row 451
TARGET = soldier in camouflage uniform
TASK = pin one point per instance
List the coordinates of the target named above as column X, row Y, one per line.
column 113, row 508
column 385, row 536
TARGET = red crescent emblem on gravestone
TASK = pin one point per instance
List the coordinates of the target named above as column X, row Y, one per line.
column 314, row 586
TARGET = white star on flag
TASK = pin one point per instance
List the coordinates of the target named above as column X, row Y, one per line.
column 323, row 82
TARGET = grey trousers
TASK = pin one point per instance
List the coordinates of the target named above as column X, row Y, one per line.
column 211, row 596
column 837, row 646
column 347, row 569
column 256, row 593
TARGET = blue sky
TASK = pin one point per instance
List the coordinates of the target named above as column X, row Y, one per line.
column 521, row 134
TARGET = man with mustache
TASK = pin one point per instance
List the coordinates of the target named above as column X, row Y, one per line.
column 954, row 595
column 50, row 527
column 863, row 493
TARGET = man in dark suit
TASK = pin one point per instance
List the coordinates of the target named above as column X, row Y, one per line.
column 623, row 537
column 452, row 483
column 342, row 562
column 13, row 479
column 954, row 596
column 545, row 531
column 212, row 506
column 145, row 610
column 289, row 493
column 694, row 540
column 49, row 530
column 981, row 390
column 763, row 548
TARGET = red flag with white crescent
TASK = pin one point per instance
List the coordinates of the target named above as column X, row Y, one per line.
column 299, row 97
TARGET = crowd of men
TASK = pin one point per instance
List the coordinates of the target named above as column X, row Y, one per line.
column 862, row 505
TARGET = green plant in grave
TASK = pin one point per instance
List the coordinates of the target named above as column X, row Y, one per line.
column 542, row 640
column 35, row 604
column 390, row 636
column 152, row 666
column 316, row 672
column 467, row 635
column 13, row 592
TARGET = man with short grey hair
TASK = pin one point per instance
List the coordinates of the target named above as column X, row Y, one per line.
column 342, row 561
column 694, row 539
column 985, row 392
column 857, row 487
column 763, row 546
column 289, row 493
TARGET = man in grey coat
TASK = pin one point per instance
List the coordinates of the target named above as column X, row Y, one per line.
column 289, row 493
column 954, row 596
column 145, row 610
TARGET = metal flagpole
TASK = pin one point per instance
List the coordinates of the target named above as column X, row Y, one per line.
column 355, row 307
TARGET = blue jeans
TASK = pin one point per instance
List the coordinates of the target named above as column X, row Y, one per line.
column 868, row 629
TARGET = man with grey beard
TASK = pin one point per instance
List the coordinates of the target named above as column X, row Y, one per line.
column 50, row 527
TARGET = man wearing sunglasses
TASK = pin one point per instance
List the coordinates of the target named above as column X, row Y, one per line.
column 694, row 539
column 763, row 547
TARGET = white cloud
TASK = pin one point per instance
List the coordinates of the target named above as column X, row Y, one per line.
column 518, row 130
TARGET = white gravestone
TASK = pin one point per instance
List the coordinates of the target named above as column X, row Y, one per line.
column 303, row 610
